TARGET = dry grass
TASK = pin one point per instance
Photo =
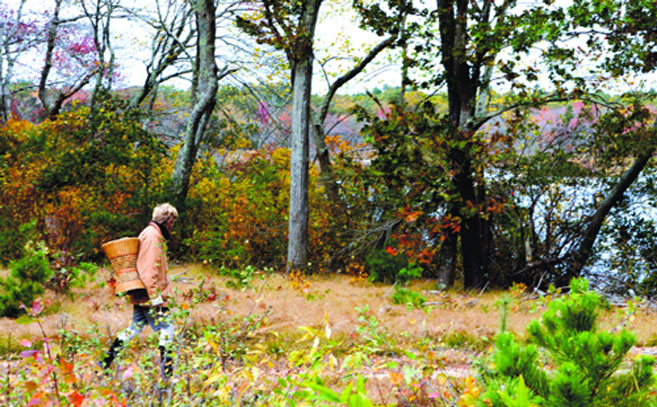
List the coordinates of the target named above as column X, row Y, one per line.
column 456, row 318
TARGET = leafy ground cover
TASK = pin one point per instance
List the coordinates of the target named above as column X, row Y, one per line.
column 251, row 337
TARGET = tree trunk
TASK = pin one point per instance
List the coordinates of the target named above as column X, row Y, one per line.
column 7, row 62
column 297, row 252
column 204, row 103
column 448, row 261
column 47, row 66
column 302, row 72
column 580, row 255
column 462, row 82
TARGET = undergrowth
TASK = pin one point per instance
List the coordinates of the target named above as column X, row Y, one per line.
column 233, row 360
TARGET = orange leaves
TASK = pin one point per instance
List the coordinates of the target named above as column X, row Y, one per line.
column 298, row 280
column 337, row 144
column 495, row 207
column 75, row 398
column 410, row 215
column 426, row 255
column 396, row 378
column 66, row 370
column 357, row 271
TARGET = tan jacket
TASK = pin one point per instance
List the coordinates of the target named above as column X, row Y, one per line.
column 152, row 265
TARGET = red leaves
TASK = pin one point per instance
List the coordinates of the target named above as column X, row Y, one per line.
column 75, row 398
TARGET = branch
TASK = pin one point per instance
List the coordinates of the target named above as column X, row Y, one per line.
column 478, row 121
column 352, row 73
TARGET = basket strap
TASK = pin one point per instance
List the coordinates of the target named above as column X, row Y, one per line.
column 123, row 271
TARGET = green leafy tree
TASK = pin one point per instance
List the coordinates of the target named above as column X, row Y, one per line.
column 467, row 48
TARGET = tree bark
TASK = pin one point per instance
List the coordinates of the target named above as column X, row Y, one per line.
column 203, row 104
column 302, row 71
column 7, row 62
column 462, row 82
column 579, row 256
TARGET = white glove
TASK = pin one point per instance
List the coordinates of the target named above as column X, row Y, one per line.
column 157, row 301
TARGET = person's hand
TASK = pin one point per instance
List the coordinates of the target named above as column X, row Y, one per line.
column 157, row 301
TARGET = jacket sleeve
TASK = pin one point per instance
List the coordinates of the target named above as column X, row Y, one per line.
column 147, row 267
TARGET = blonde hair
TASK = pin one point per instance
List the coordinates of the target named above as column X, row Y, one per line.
column 164, row 212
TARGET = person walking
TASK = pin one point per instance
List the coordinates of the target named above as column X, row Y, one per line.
column 150, row 305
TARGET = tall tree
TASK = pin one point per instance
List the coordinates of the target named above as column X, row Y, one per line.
column 18, row 34
column 173, row 36
column 204, row 94
column 100, row 14
column 469, row 46
column 290, row 26
column 79, row 51
column 319, row 126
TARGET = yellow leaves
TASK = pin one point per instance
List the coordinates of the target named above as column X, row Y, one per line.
column 18, row 127
column 214, row 378
column 214, row 347
column 470, row 394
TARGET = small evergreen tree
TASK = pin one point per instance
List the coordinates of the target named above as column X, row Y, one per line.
column 567, row 361
column 25, row 281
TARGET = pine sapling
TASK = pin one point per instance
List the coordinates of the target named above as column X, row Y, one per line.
column 567, row 361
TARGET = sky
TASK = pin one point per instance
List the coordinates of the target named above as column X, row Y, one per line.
column 337, row 35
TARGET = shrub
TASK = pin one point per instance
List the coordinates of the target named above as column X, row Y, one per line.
column 567, row 361
column 13, row 239
column 26, row 280
column 410, row 298
column 240, row 216
column 84, row 178
column 385, row 267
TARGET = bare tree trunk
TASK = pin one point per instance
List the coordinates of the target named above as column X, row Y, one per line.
column 448, row 261
column 47, row 66
column 302, row 72
column 580, row 255
column 7, row 35
column 204, row 103
column 297, row 253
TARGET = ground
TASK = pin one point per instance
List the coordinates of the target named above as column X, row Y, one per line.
column 455, row 327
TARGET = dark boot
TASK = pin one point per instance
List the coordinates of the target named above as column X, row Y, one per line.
column 111, row 353
column 166, row 361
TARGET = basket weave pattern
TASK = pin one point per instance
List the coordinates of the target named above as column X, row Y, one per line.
column 122, row 253
column 124, row 262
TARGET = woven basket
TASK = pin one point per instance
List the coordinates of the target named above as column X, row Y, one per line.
column 123, row 255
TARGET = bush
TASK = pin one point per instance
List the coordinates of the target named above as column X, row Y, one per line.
column 26, row 280
column 410, row 298
column 13, row 238
column 567, row 361
column 385, row 267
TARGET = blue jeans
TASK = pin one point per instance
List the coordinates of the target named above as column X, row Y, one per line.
column 159, row 318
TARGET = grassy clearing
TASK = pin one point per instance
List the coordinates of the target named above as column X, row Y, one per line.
column 334, row 327
column 453, row 319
